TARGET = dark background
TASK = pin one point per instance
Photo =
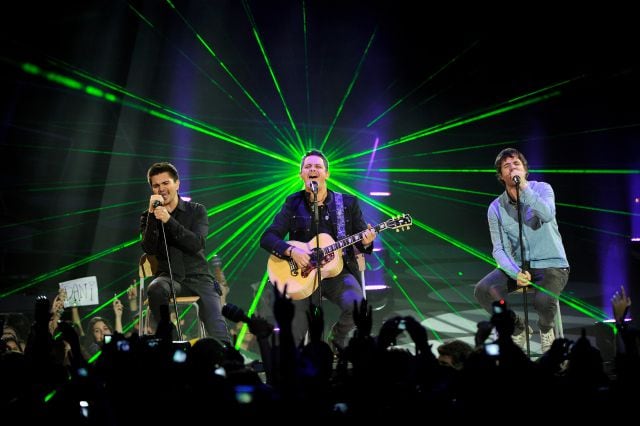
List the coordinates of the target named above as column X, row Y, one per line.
column 359, row 71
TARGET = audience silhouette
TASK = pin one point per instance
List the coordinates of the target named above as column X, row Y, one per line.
column 152, row 378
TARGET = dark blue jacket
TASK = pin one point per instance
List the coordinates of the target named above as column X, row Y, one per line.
column 295, row 219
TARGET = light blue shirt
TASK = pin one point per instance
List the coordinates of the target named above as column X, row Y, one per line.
column 540, row 235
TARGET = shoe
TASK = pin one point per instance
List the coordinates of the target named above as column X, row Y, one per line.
column 520, row 339
column 546, row 340
column 336, row 347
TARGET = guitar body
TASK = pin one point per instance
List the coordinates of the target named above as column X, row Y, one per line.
column 301, row 282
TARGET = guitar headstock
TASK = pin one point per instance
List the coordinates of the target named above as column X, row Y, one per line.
column 400, row 223
column 216, row 262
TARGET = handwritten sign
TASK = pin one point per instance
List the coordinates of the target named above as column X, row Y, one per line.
column 81, row 292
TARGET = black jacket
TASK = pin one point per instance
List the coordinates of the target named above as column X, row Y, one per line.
column 295, row 220
column 186, row 234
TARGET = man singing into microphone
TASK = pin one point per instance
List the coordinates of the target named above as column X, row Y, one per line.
column 339, row 215
column 174, row 231
column 543, row 250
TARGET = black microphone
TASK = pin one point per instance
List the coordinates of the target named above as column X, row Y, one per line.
column 258, row 326
column 516, row 179
column 156, row 203
column 314, row 186
column 234, row 313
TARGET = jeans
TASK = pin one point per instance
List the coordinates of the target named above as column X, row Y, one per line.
column 209, row 303
column 494, row 287
column 342, row 290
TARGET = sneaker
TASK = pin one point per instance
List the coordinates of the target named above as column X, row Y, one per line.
column 546, row 340
column 520, row 339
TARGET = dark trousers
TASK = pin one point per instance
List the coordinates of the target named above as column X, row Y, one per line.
column 341, row 290
column 494, row 286
column 159, row 294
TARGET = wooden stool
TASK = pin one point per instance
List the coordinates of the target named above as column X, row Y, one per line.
column 183, row 304
column 147, row 269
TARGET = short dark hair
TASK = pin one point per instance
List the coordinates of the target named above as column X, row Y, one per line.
column 316, row 153
column 157, row 168
column 508, row 153
column 458, row 350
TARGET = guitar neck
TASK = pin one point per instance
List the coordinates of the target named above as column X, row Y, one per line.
column 217, row 272
column 351, row 240
column 222, row 280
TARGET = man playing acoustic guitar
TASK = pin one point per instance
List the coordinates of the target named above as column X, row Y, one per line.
column 293, row 263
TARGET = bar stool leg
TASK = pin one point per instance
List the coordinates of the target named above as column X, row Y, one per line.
column 559, row 328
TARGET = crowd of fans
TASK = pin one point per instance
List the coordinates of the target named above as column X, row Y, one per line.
column 133, row 378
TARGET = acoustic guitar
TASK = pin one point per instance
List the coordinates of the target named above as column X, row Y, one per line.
column 301, row 282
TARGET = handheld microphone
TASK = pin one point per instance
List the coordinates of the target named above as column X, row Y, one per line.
column 516, row 179
column 260, row 327
column 234, row 313
column 156, row 203
column 314, row 186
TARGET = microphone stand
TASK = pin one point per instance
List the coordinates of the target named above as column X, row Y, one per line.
column 172, row 289
column 524, row 268
column 316, row 221
column 141, row 328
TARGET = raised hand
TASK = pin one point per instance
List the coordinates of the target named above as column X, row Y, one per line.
column 389, row 332
column 260, row 327
column 418, row 334
column 117, row 308
column 620, row 303
column 132, row 296
column 363, row 318
column 315, row 316
column 69, row 334
column 42, row 311
column 132, row 291
column 283, row 308
column 57, row 307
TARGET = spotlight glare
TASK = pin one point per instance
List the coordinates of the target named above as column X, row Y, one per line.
column 374, row 287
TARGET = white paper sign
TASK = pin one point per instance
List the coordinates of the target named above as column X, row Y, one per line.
column 81, row 292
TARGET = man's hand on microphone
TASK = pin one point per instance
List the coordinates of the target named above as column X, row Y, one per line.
column 155, row 200
column 156, row 206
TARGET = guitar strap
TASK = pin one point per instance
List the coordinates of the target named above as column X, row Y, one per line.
column 347, row 251
column 339, row 215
